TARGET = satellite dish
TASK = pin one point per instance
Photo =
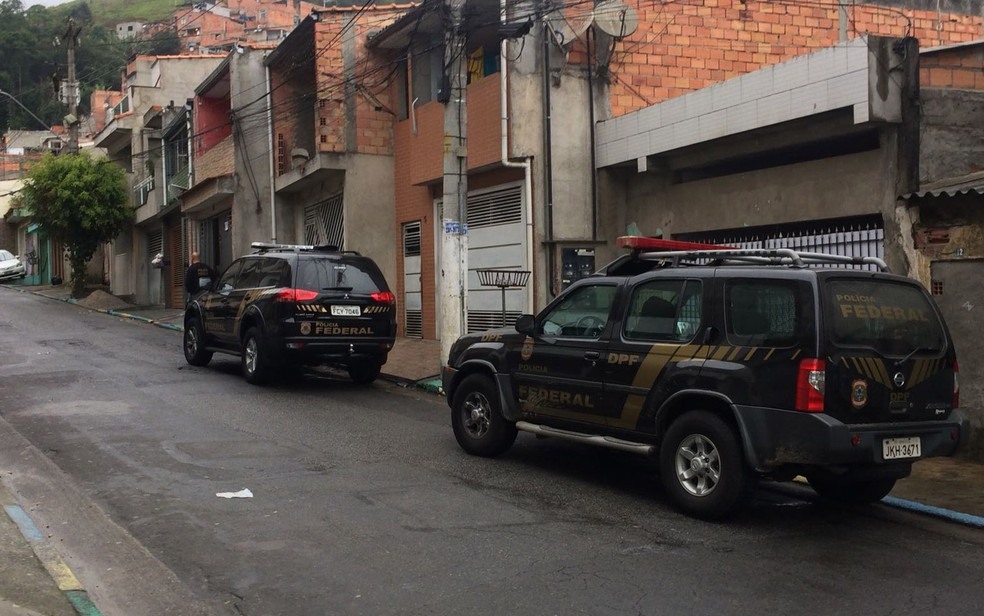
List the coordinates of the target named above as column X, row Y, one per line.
column 615, row 18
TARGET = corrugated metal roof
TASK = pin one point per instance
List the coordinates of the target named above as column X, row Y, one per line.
column 970, row 184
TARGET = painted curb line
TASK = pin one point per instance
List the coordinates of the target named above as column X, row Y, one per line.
column 63, row 577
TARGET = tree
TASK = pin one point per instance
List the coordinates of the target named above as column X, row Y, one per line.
column 80, row 201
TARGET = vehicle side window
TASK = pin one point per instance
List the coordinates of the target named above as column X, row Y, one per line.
column 273, row 273
column 583, row 313
column 249, row 277
column 664, row 310
column 228, row 278
column 765, row 312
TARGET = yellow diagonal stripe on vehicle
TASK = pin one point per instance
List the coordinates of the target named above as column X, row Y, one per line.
column 656, row 360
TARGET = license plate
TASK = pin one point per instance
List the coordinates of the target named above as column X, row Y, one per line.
column 345, row 311
column 906, row 447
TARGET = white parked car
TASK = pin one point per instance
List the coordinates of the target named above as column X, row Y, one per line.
column 10, row 266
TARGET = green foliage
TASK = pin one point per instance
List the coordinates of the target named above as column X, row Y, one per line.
column 81, row 201
column 31, row 65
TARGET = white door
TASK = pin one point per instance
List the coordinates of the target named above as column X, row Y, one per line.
column 413, row 316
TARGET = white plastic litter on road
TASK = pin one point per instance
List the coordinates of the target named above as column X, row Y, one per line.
column 244, row 493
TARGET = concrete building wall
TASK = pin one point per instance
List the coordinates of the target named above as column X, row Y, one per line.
column 839, row 187
column 250, row 151
column 951, row 133
column 370, row 216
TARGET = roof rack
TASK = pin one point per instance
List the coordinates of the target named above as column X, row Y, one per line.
column 269, row 247
column 756, row 256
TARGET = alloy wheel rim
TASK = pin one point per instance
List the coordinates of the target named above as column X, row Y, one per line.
column 251, row 355
column 476, row 413
column 191, row 342
column 698, row 465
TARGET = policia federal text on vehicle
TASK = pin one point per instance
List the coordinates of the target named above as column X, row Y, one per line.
column 729, row 365
column 288, row 305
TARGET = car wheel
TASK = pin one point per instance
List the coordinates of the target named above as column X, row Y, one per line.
column 851, row 493
column 254, row 361
column 363, row 373
column 702, row 466
column 194, row 344
column 476, row 418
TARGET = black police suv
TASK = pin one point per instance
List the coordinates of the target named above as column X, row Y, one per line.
column 728, row 366
column 287, row 305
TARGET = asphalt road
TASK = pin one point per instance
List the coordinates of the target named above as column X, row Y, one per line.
column 363, row 503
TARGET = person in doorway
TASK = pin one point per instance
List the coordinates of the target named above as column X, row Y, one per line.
column 197, row 277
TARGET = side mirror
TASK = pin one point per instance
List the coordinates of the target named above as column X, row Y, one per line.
column 526, row 324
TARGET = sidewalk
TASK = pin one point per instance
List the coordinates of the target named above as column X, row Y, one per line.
column 947, row 488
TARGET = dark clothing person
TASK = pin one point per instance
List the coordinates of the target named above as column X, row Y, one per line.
column 197, row 277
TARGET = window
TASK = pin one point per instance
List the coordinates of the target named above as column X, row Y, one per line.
column 249, row 277
column 581, row 314
column 426, row 72
column 767, row 313
column 359, row 276
column 411, row 239
column 667, row 310
column 893, row 318
column 227, row 280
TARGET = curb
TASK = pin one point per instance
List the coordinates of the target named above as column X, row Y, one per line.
column 63, row 577
column 111, row 311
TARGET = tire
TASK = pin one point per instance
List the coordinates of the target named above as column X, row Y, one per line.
column 702, row 466
column 851, row 493
column 364, row 373
column 194, row 344
column 256, row 369
column 476, row 418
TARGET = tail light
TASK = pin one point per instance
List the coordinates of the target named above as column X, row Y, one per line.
column 809, row 385
column 383, row 297
column 294, row 295
column 956, row 384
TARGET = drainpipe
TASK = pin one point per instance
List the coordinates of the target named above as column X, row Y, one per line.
column 548, row 161
column 273, row 173
column 525, row 164
column 591, row 143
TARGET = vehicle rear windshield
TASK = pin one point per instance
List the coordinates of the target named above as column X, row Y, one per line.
column 349, row 275
column 5, row 256
column 892, row 318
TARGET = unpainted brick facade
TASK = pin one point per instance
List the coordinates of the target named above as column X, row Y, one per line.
column 679, row 48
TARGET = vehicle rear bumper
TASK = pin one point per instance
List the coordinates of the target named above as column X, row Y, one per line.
column 775, row 438
column 306, row 349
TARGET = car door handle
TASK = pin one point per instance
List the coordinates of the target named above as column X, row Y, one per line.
column 592, row 355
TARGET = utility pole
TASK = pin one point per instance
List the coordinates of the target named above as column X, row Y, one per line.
column 454, row 230
column 72, row 88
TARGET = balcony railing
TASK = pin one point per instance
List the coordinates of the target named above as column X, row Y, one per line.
column 142, row 191
column 121, row 107
column 179, row 182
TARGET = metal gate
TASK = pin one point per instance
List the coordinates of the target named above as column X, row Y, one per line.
column 323, row 222
column 862, row 238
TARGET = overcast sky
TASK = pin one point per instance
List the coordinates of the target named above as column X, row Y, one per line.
column 29, row 3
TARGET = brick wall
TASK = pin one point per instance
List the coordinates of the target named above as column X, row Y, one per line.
column 679, row 48
column 414, row 203
column 960, row 68
column 216, row 161
column 361, row 88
